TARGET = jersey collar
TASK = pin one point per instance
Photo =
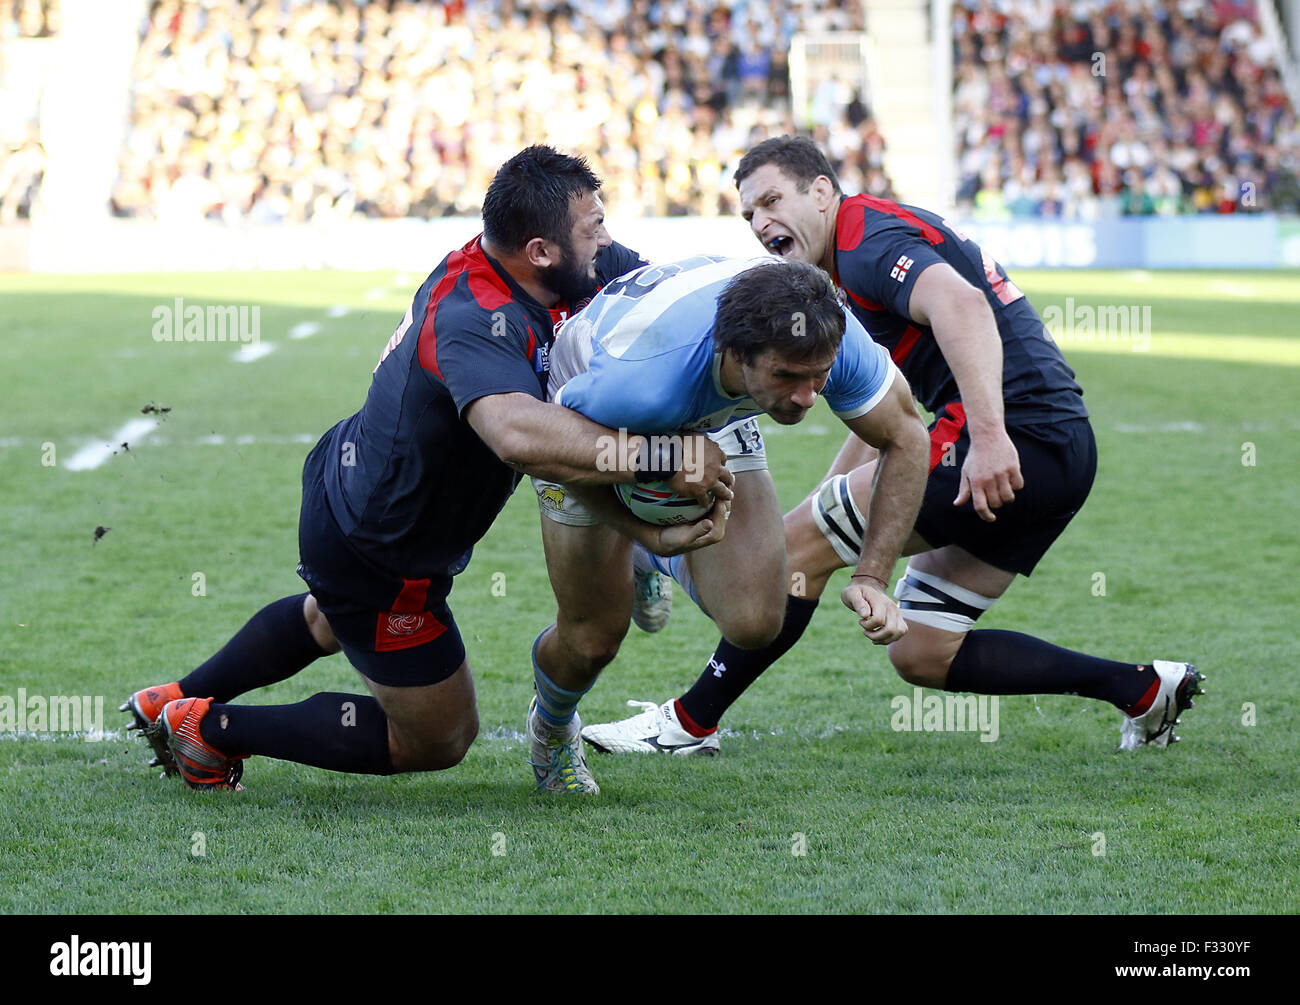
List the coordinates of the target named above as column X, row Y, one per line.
column 517, row 292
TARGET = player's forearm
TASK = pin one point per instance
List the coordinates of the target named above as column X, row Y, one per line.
column 553, row 442
column 968, row 337
column 897, row 489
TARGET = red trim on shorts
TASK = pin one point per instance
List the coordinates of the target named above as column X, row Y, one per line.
column 408, row 624
column 946, row 431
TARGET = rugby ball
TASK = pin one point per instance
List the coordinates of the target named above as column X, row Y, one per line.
column 655, row 502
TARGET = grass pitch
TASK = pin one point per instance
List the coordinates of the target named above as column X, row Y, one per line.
column 1185, row 550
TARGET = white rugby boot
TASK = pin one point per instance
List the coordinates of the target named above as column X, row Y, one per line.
column 653, row 601
column 655, row 730
column 1179, row 682
column 556, row 755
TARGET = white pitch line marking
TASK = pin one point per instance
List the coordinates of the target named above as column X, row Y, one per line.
column 95, row 454
column 1232, row 289
column 252, row 351
column 304, row 329
column 338, row 310
column 55, row 736
column 1159, row 427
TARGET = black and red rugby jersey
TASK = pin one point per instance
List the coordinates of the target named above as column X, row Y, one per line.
column 407, row 479
column 880, row 249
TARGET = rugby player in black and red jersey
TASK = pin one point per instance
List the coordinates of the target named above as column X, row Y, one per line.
column 396, row 495
column 1012, row 460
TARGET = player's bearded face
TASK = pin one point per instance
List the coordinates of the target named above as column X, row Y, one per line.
column 572, row 278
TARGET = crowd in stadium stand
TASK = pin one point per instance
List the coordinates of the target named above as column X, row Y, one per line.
column 22, row 167
column 22, row 156
column 270, row 111
column 1098, row 109
column 30, row 18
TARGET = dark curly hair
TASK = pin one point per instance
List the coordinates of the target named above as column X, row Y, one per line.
column 786, row 307
column 797, row 156
column 530, row 197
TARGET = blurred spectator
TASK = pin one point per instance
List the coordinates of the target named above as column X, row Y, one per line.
column 22, row 166
column 290, row 110
column 30, row 18
column 1098, row 107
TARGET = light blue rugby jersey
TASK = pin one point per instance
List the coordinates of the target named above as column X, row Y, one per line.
column 652, row 368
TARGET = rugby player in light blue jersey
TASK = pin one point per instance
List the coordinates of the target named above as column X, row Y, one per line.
column 706, row 345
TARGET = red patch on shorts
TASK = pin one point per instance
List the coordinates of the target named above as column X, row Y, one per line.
column 407, row 625
column 945, row 432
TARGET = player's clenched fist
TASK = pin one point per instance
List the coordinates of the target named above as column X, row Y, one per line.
column 703, row 475
column 881, row 620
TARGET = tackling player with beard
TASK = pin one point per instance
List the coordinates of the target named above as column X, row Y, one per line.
column 396, row 495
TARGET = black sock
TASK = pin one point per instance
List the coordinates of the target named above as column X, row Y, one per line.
column 273, row 646
column 998, row 662
column 339, row 732
column 732, row 670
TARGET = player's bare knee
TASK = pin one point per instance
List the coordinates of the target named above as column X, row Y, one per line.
column 592, row 646
column 452, row 751
column 318, row 626
column 753, row 629
column 918, row 666
column 424, row 753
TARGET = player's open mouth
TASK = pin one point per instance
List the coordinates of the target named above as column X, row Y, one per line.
column 780, row 245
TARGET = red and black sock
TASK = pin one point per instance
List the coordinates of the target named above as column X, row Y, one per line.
column 273, row 646
column 999, row 662
column 732, row 670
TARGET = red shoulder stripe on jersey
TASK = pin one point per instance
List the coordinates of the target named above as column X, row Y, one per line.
column 485, row 285
column 532, row 343
column 930, row 233
column 488, row 289
column 946, row 431
column 850, row 223
column 427, row 344
column 901, row 351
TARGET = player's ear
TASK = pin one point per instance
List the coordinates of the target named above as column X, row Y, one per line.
column 540, row 253
column 823, row 191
